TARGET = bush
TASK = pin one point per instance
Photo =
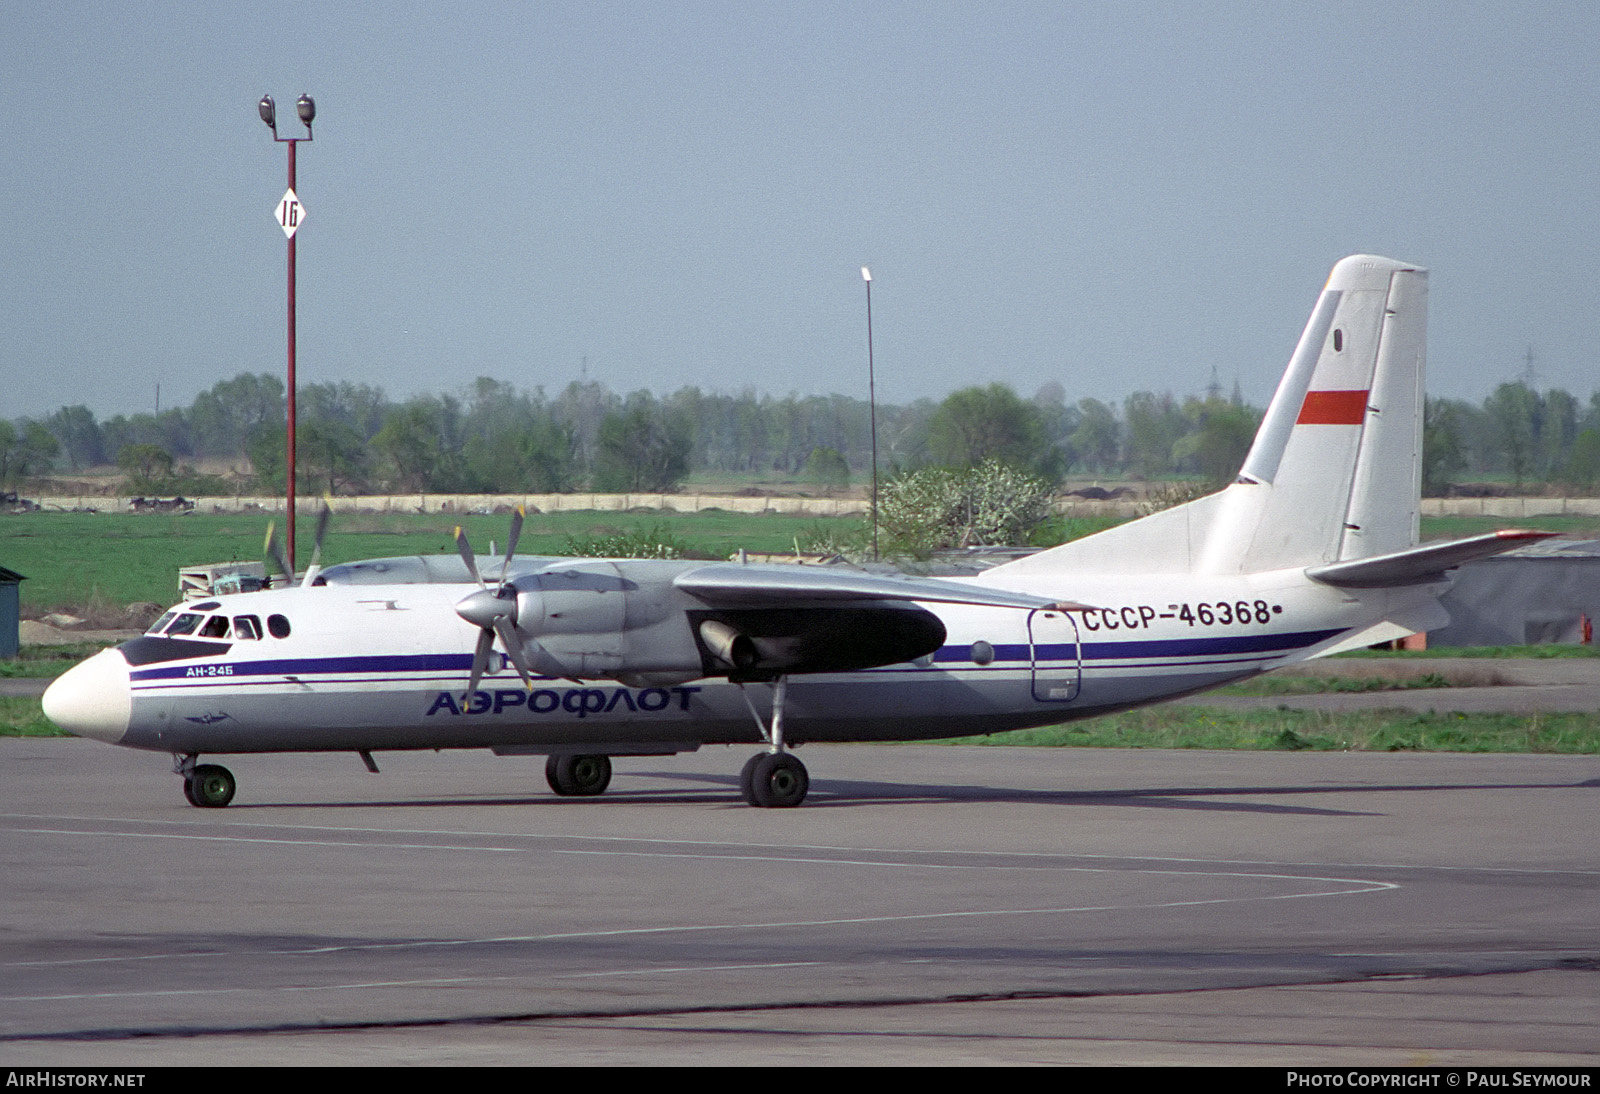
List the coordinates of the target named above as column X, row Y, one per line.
column 653, row 542
column 991, row 505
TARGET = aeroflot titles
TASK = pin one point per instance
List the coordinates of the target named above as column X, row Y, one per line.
column 580, row 701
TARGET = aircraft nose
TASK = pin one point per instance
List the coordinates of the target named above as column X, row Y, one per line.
column 92, row 699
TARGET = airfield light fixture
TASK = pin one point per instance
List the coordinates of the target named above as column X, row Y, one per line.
column 872, row 410
column 290, row 214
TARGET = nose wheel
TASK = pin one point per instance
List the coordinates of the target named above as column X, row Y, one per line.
column 578, row 776
column 207, row 786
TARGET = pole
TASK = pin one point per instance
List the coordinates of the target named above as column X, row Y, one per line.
column 290, row 215
column 291, row 429
column 872, row 410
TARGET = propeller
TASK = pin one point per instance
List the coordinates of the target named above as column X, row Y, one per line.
column 273, row 550
column 323, row 517
column 493, row 612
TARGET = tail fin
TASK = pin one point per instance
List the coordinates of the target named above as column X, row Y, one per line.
column 1336, row 468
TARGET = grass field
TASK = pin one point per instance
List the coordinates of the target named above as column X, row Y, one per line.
column 1199, row 726
column 87, row 563
column 95, row 564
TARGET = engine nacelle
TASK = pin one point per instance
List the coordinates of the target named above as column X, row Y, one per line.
column 594, row 619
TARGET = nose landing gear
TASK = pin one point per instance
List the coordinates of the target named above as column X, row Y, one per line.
column 208, row 786
column 578, row 776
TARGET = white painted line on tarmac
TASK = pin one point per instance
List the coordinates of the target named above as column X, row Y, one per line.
column 369, row 984
column 1354, row 886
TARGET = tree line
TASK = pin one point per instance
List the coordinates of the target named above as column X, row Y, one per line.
column 493, row 437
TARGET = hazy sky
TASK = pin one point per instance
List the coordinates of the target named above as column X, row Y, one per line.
column 1117, row 197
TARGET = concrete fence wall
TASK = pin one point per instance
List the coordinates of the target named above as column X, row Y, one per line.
column 489, row 503
column 1501, row 508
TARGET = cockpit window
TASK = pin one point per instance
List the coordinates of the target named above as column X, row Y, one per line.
column 247, row 626
column 161, row 624
column 186, row 624
column 215, row 627
column 278, row 626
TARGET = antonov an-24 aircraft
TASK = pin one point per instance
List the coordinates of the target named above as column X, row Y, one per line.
column 1312, row 550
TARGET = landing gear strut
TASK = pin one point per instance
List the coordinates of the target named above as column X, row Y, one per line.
column 773, row 779
column 578, row 776
column 209, row 786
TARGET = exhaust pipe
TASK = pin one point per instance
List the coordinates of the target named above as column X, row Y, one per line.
column 732, row 647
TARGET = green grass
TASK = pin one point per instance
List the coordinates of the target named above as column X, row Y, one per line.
column 23, row 717
column 1273, row 684
column 76, row 561
column 1538, row 653
column 47, row 662
column 1174, row 726
column 1454, row 527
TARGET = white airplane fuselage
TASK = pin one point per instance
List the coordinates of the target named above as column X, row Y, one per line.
column 1312, row 549
column 365, row 668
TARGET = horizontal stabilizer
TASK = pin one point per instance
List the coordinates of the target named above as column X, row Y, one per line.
column 1420, row 564
column 732, row 582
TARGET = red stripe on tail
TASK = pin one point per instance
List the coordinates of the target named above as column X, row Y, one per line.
column 1333, row 408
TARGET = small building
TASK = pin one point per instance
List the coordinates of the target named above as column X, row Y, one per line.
column 10, row 612
column 1545, row 593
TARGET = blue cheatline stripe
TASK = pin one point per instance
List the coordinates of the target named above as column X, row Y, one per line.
column 1154, row 647
column 1016, row 653
column 316, row 666
column 1004, row 652
column 1193, row 647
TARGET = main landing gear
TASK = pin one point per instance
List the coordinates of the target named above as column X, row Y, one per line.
column 773, row 779
column 578, row 776
column 209, row 786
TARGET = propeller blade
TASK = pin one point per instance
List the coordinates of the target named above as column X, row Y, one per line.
column 273, row 553
column 480, row 660
column 467, row 556
column 511, row 543
column 508, row 639
column 323, row 517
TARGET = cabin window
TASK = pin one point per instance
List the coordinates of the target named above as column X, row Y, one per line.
column 216, row 627
column 161, row 624
column 185, row 624
column 1338, row 341
column 278, row 626
column 982, row 653
column 247, row 627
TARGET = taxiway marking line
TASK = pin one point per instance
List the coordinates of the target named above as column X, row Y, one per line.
column 798, row 859
column 1359, row 886
column 362, row 985
column 907, row 851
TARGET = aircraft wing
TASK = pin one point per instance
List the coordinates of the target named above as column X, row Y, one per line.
column 736, row 583
column 1420, row 564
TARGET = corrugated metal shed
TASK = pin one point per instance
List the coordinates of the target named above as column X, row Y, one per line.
column 1543, row 593
column 10, row 612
